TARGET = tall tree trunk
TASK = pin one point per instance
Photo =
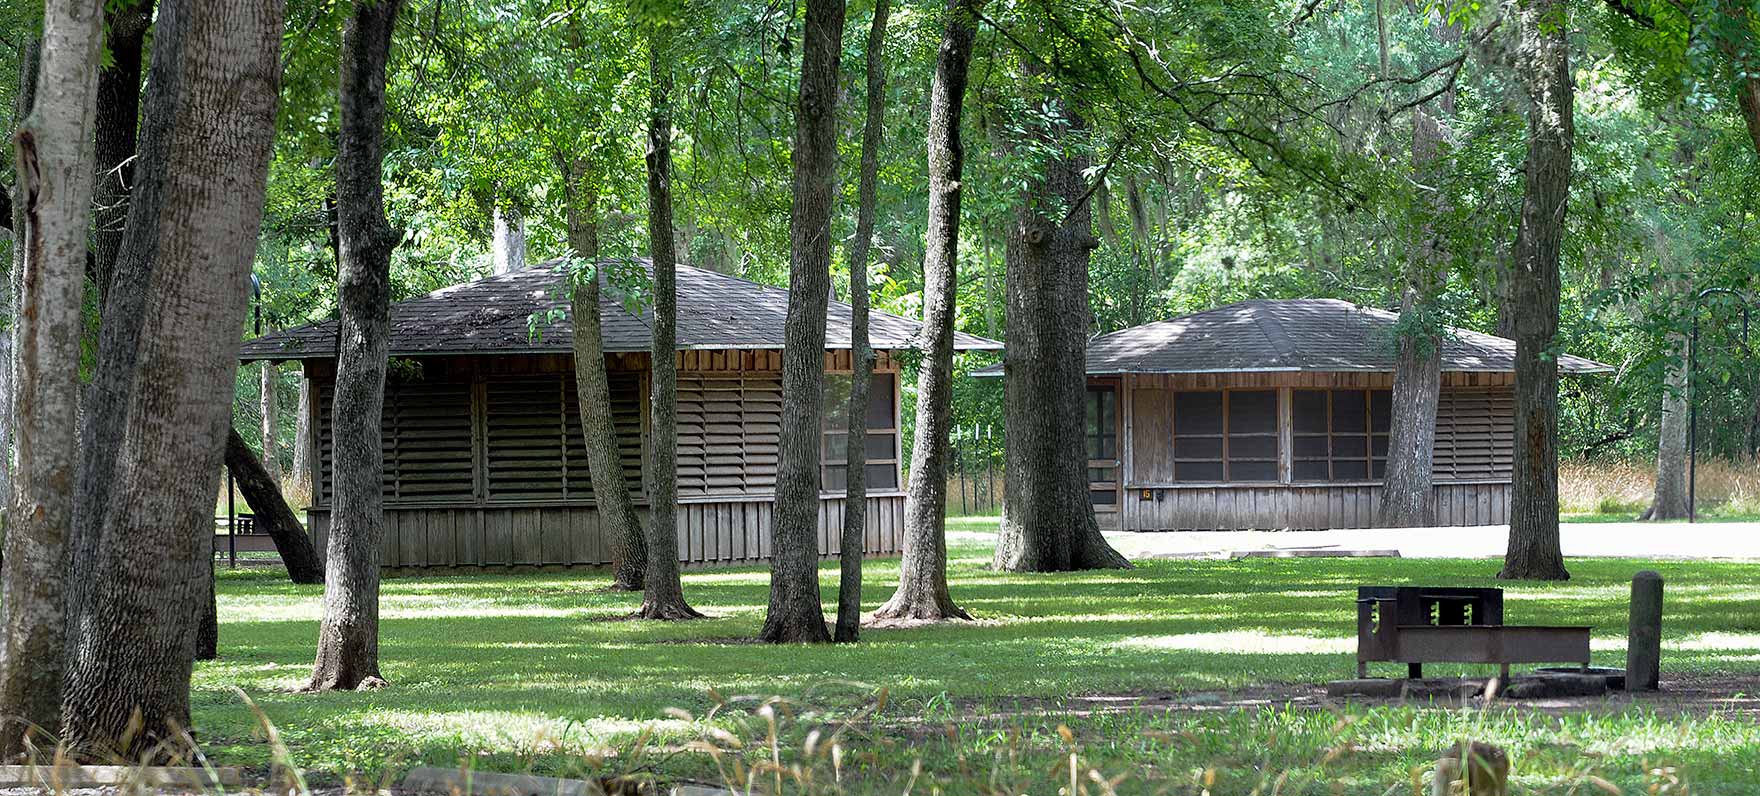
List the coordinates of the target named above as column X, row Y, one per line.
column 1748, row 98
column 263, row 493
column 795, row 613
column 1544, row 58
column 1407, row 498
column 128, row 687
column 1048, row 520
column 208, row 624
column 922, row 576
column 119, row 102
column 302, row 440
column 54, row 161
column 348, row 641
column 663, row 593
column 510, row 240
column 855, row 502
column 1670, row 500
column 28, row 51
column 267, row 383
column 617, row 511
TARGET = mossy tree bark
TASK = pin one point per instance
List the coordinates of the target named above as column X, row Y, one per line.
column 922, row 578
column 348, row 639
column 795, row 613
column 54, row 162
column 1543, row 58
column 617, row 510
column 1048, row 521
column 663, row 593
column 855, row 504
column 128, row 688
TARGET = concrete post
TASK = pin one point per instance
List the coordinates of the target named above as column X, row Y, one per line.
column 1644, row 637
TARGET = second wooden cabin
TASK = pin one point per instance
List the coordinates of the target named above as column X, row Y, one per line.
column 1271, row 414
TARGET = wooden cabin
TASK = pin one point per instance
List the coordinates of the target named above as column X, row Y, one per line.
column 485, row 464
column 1275, row 414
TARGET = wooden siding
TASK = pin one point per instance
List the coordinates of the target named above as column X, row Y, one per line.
column 1301, row 507
column 562, row 535
column 1475, row 437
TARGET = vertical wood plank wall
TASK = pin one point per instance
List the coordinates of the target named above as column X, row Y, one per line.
column 469, row 525
column 1151, row 502
column 717, row 532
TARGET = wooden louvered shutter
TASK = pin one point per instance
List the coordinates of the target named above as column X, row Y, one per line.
column 1475, row 435
column 762, row 411
column 427, row 441
column 524, row 440
column 326, row 442
column 626, row 413
column 728, row 427
column 692, row 462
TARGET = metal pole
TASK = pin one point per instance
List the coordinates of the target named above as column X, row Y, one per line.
column 1693, row 420
column 231, row 525
column 990, row 466
column 1693, row 397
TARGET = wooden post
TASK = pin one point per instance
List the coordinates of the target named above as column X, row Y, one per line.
column 1644, row 635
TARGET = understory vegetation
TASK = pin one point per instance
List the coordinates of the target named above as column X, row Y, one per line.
column 543, row 673
column 1620, row 490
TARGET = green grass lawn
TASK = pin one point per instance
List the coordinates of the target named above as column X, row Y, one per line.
column 540, row 672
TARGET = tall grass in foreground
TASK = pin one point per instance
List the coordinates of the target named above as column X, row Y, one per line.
column 842, row 739
column 1613, row 487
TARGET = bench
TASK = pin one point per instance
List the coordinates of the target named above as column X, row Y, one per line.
column 1416, row 625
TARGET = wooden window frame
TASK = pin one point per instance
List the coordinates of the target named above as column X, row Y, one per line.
column 827, row 462
column 1115, row 464
column 1368, row 436
column 1276, row 434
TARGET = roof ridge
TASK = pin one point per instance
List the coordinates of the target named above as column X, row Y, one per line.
column 1280, row 340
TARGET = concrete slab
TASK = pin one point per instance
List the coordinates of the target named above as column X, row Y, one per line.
column 1705, row 540
column 60, row 777
column 1306, row 552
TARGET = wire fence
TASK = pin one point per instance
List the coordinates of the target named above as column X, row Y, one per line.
column 975, row 481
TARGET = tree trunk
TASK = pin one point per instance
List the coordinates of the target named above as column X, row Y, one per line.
column 1748, row 97
column 28, row 50
column 302, row 441
column 1048, row 521
column 1408, row 496
column 663, row 593
column 128, row 689
column 510, row 241
column 270, row 413
column 348, row 641
column 922, row 577
column 119, row 103
column 855, row 502
column 617, row 511
column 263, row 493
column 54, row 161
column 1544, row 58
column 1670, row 501
column 795, row 613
column 208, row 624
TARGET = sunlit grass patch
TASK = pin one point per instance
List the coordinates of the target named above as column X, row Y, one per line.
column 542, row 672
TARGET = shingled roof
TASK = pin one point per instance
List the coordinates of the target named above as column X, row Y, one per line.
column 1289, row 335
column 491, row 316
